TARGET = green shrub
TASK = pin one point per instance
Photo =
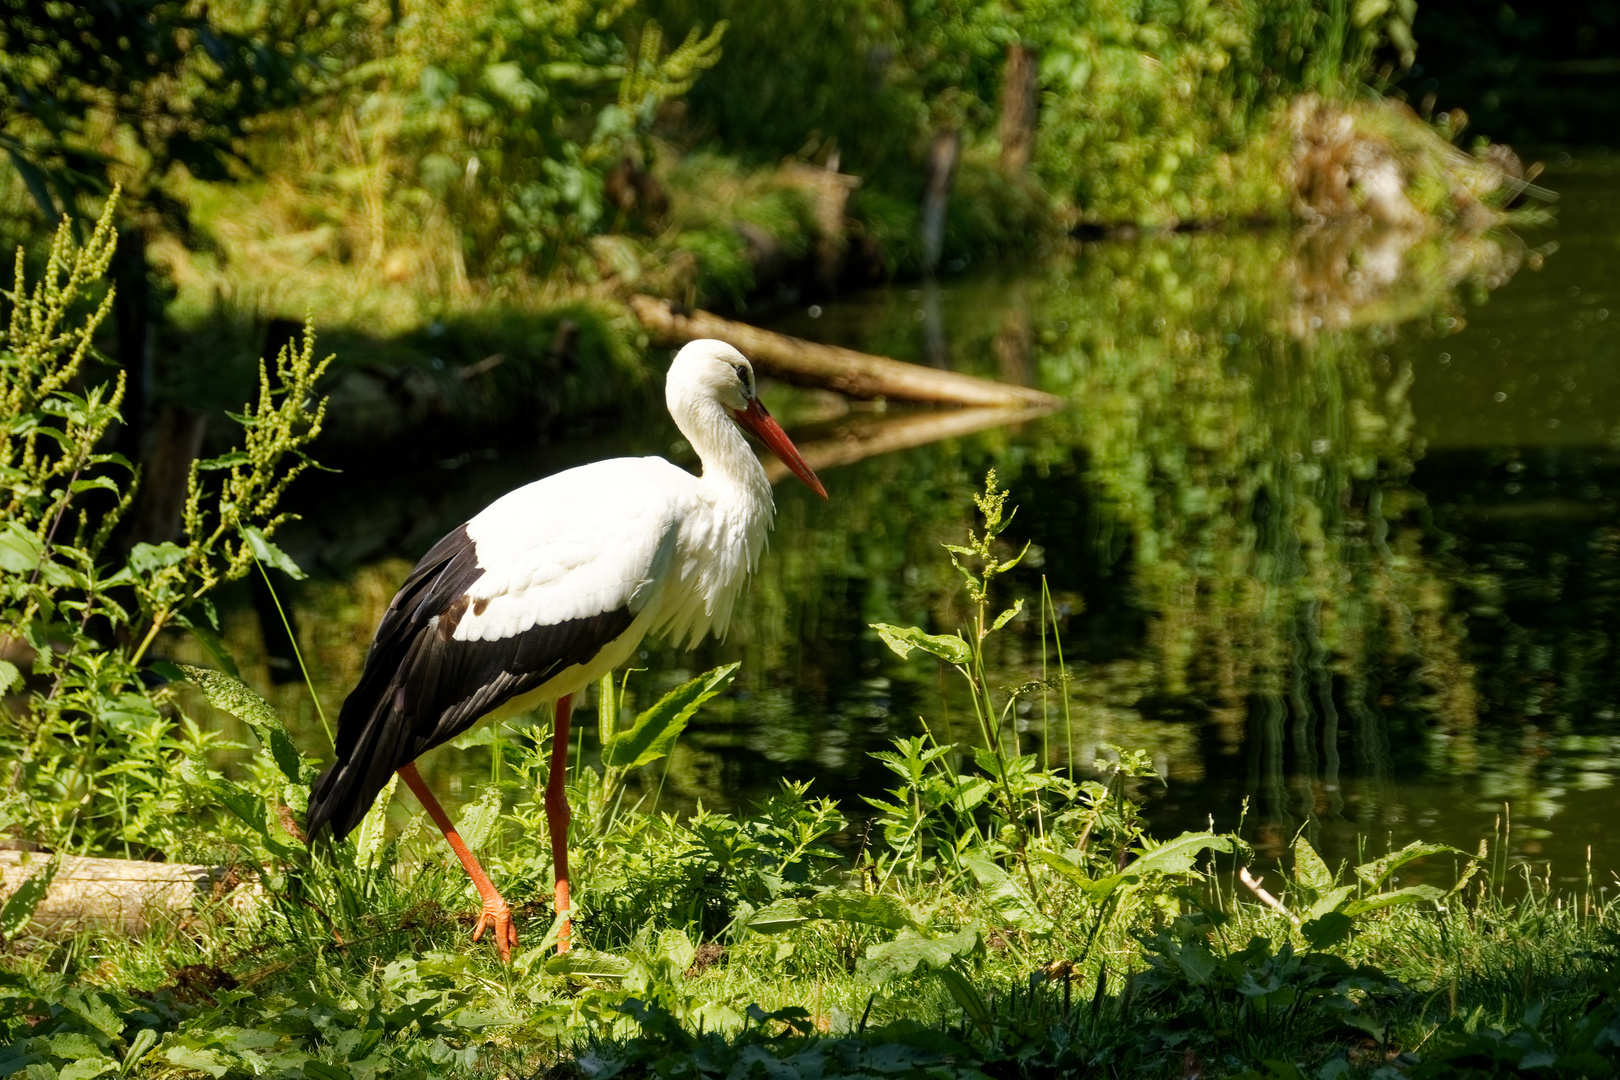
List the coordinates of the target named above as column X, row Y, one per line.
column 93, row 738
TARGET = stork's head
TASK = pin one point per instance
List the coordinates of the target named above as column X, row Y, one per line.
column 713, row 370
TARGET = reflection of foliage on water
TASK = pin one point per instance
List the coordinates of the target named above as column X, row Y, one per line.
column 1228, row 519
column 1247, row 426
column 1240, row 446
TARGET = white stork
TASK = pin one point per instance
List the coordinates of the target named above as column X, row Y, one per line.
column 549, row 588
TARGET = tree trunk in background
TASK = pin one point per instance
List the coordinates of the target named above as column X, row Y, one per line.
column 1019, row 105
column 829, row 191
column 132, row 314
column 937, row 195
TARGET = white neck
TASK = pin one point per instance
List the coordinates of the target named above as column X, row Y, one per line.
column 729, row 463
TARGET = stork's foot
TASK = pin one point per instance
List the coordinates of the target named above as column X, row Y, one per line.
column 498, row 917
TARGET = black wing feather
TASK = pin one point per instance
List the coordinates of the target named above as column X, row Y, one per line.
column 421, row 687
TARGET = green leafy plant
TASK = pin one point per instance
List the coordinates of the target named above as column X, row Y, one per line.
column 94, row 736
column 511, row 116
column 980, row 564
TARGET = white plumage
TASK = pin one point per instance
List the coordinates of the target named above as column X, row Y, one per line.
column 554, row 585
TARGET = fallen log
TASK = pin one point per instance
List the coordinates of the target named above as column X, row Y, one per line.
column 124, row 894
column 868, row 437
column 849, row 372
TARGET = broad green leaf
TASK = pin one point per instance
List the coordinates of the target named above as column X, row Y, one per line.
column 1329, row 901
column 1008, row 895
column 21, row 905
column 1412, row 894
column 1376, row 872
column 245, row 804
column 479, row 1017
column 656, row 730
column 368, row 839
column 1176, row 856
column 905, row 955
column 69, row 1044
column 1071, row 870
column 778, row 917
column 589, row 964
column 86, row 1067
column 94, row 1008
column 1327, row 930
column 94, row 483
column 970, row 793
column 869, row 909
column 1193, row 958
column 903, row 639
column 316, row 1069
column 269, row 554
column 965, row 994
column 139, row 1047
column 20, row 551
column 198, row 1059
column 1309, row 869
column 676, row 949
column 1007, row 616
column 148, row 559
column 1100, row 889
column 10, row 675
column 238, row 699
column 480, row 819
column 1379, row 1032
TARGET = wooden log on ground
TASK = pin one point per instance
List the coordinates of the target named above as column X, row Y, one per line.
column 857, row 374
column 869, row 436
column 124, row 894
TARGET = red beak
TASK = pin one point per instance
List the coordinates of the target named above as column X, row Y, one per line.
column 760, row 422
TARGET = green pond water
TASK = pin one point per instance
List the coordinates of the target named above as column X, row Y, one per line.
column 1331, row 521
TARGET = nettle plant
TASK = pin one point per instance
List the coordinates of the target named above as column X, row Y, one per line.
column 91, row 732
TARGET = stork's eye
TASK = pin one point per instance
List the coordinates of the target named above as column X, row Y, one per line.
column 742, row 375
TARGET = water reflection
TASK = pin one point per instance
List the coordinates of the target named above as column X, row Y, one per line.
column 1331, row 523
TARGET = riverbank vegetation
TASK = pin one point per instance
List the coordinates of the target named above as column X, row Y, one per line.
column 467, row 195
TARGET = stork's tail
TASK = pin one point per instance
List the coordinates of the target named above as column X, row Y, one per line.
column 345, row 792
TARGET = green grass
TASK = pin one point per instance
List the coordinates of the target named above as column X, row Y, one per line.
column 367, row 971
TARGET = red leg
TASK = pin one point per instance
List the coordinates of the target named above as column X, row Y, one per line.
column 557, row 817
column 495, row 912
